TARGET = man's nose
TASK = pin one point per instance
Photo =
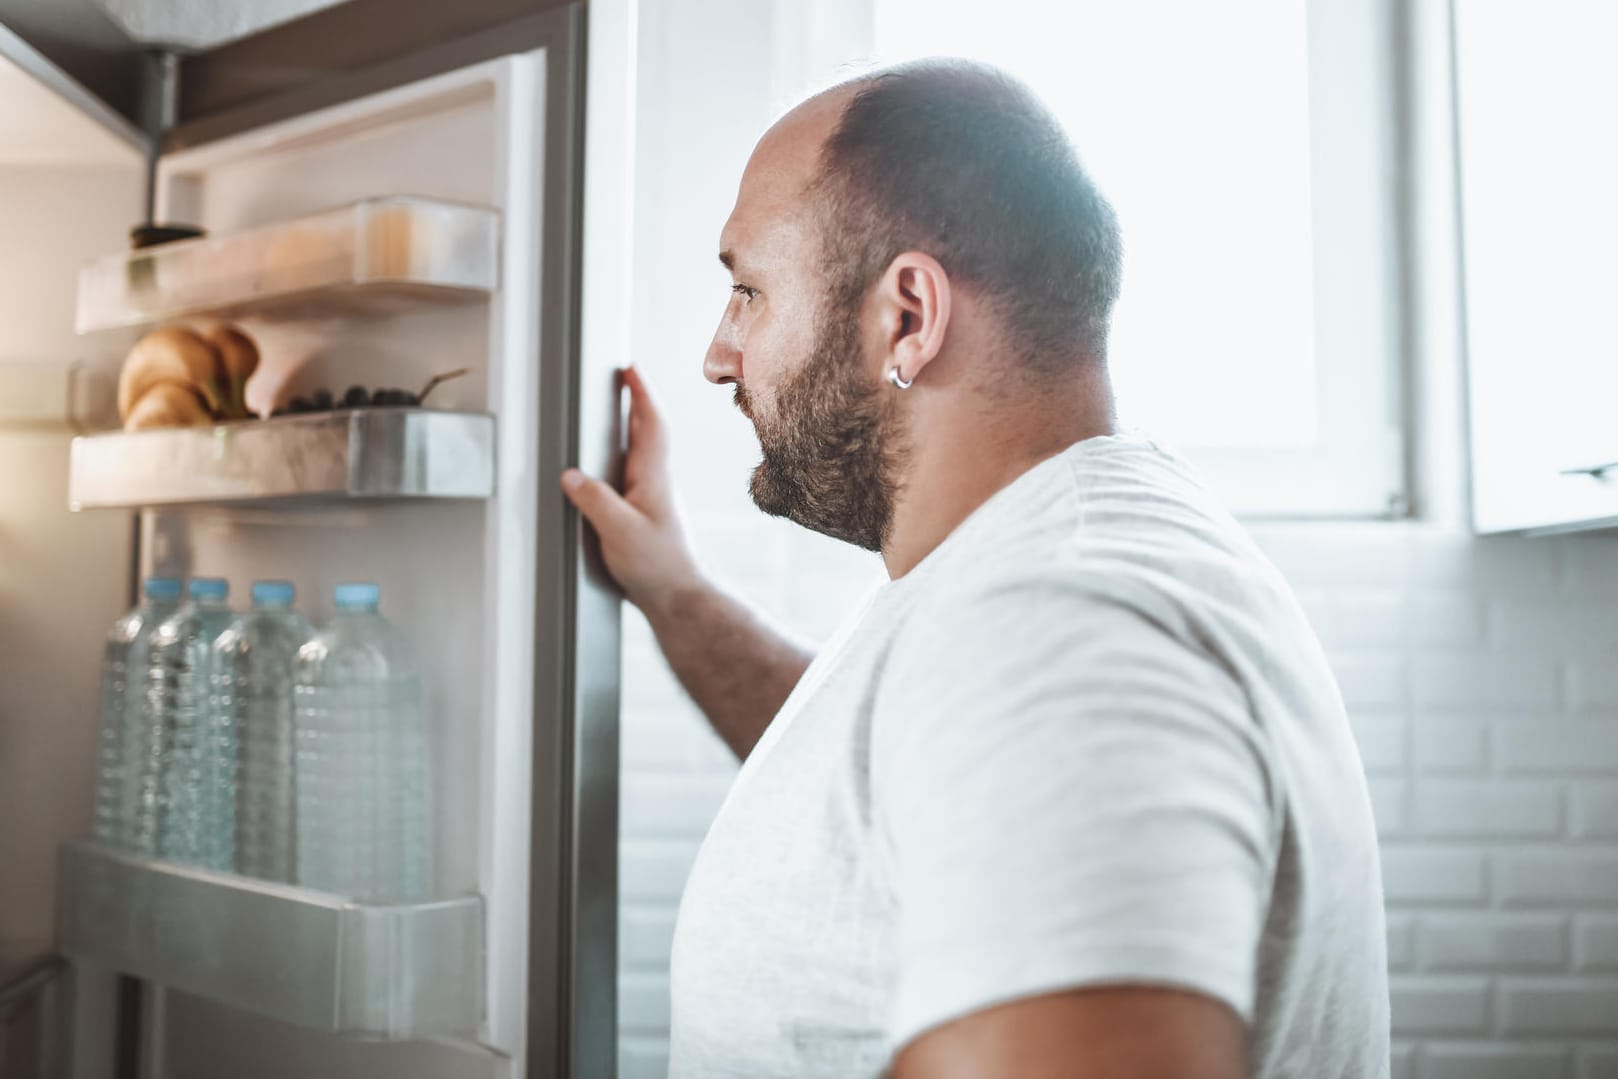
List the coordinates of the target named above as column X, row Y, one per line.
column 723, row 363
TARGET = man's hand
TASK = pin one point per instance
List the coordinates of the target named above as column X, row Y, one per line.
column 735, row 666
column 642, row 539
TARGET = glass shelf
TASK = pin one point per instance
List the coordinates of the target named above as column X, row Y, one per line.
column 375, row 257
column 368, row 453
column 289, row 953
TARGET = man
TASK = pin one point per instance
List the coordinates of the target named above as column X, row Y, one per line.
column 1073, row 793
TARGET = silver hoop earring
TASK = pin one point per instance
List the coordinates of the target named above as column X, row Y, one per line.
column 898, row 379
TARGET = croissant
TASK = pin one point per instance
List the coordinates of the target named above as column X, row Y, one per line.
column 171, row 354
column 189, row 377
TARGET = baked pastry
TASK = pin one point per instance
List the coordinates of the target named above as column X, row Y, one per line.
column 238, row 359
column 167, row 404
column 172, row 354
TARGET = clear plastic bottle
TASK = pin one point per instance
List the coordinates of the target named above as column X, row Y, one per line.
column 364, row 777
column 253, row 661
column 186, row 796
column 123, row 664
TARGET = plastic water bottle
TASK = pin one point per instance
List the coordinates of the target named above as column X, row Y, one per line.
column 123, row 664
column 363, row 771
column 253, row 661
column 186, row 795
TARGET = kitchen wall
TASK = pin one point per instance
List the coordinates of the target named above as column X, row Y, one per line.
column 1479, row 672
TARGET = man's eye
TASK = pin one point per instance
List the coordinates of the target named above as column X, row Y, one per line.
column 746, row 292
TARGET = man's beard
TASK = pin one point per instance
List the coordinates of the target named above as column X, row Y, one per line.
column 832, row 445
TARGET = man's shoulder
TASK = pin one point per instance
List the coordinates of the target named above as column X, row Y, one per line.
column 1058, row 581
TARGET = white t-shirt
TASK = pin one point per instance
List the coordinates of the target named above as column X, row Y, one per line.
column 1089, row 740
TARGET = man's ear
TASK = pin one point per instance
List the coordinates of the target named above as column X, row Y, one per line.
column 914, row 298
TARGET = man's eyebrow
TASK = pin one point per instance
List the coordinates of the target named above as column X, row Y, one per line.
column 727, row 259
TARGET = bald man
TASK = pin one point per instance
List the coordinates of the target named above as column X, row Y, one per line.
column 1073, row 793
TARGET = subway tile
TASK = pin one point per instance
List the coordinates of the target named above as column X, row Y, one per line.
column 645, row 937
column 1425, row 1005
column 1553, row 626
column 1486, row 1060
column 1368, row 618
column 1535, row 1006
column 1494, row 942
column 1598, row 1061
column 1445, row 745
column 1578, row 746
column 653, row 870
column 1457, row 808
column 1595, row 943
column 1446, row 619
column 1567, row 878
column 653, row 740
column 1592, row 686
column 1589, row 563
column 1370, row 681
column 1595, row 810
column 1425, row 875
column 1478, row 682
column 643, row 1002
column 643, row 1057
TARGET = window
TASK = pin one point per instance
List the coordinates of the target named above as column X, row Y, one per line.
column 1248, row 150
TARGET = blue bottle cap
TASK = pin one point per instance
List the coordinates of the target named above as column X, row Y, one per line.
column 209, row 588
column 356, row 595
column 272, row 593
column 162, row 588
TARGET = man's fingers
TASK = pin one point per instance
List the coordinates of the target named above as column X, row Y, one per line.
column 645, row 421
column 600, row 504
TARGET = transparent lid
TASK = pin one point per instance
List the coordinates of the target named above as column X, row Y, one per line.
column 209, row 588
column 356, row 596
column 162, row 588
column 273, row 593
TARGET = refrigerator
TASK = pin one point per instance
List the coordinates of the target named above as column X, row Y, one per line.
column 387, row 191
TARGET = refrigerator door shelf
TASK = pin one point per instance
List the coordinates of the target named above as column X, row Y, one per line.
column 288, row 953
column 370, row 453
column 375, row 257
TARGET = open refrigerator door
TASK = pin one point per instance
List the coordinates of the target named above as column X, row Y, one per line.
column 419, row 220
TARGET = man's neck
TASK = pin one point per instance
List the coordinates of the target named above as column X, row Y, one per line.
column 950, row 477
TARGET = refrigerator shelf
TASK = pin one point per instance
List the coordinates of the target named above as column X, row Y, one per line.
column 374, row 257
column 289, row 953
column 367, row 453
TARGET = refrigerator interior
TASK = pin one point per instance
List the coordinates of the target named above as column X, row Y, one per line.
column 457, row 576
column 494, row 581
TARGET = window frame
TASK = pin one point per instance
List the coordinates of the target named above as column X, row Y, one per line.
column 1360, row 467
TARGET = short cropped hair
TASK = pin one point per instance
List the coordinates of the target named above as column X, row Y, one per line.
column 961, row 161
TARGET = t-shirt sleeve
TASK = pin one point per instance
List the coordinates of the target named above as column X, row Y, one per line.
column 1070, row 796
